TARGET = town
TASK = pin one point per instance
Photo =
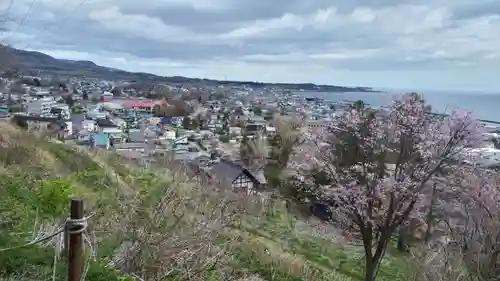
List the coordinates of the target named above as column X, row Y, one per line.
column 201, row 128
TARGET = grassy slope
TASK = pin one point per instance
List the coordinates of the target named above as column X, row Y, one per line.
column 158, row 212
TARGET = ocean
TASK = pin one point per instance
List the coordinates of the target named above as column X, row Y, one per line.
column 484, row 105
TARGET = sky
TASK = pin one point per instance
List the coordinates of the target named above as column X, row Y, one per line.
column 408, row 44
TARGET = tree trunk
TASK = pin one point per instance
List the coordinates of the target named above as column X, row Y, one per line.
column 403, row 239
column 429, row 218
column 371, row 268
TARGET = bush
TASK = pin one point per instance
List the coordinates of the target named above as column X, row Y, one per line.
column 21, row 123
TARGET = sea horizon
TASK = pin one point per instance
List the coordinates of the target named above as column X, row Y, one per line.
column 482, row 104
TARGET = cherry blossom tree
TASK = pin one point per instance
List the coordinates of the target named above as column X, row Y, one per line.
column 475, row 225
column 376, row 166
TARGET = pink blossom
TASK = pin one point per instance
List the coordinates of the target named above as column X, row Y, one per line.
column 380, row 163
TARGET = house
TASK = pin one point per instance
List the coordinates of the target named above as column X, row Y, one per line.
column 95, row 114
column 181, row 140
column 61, row 110
column 131, row 146
column 136, row 135
column 169, row 135
column 107, row 95
column 167, row 120
column 235, row 131
column 88, row 125
column 238, row 177
column 122, row 124
column 69, row 128
column 112, row 131
column 174, row 120
column 140, row 106
column 177, row 120
column 109, row 127
column 4, row 110
column 199, row 167
column 318, row 124
column 83, row 137
column 270, row 130
column 151, row 132
column 105, row 123
column 206, row 134
column 101, row 140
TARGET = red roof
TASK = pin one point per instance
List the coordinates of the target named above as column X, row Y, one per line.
column 136, row 98
column 138, row 104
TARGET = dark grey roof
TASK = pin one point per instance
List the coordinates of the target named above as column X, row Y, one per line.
column 137, row 136
column 226, row 171
column 186, row 156
column 255, row 171
column 258, row 175
column 77, row 120
column 201, row 161
column 105, row 123
column 130, row 145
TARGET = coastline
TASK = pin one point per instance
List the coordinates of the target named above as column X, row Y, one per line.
column 483, row 106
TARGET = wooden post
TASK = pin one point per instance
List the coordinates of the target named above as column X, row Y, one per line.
column 75, row 253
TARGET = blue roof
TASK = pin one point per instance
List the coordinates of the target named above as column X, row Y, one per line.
column 145, row 115
column 166, row 120
column 101, row 139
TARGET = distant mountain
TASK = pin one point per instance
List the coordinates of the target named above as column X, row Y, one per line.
column 34, row 62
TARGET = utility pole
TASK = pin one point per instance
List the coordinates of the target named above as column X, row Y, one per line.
column 75, row 230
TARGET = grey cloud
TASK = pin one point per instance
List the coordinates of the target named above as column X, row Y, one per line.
column 91, row 37
column 74, row 30
column 243, row 11
column 476, row 9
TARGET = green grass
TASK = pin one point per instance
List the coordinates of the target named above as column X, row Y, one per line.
column 343, row 261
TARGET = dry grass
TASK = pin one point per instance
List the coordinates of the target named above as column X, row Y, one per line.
column 169, row 228
column 440, row 265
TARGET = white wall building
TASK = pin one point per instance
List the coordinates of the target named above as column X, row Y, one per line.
column 61, row 109
column 69, row 128
column 40, row 106
column 169, row 135
column 88, row 125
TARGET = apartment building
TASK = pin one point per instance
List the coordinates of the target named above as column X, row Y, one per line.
column 40, row 106
column 62, row 110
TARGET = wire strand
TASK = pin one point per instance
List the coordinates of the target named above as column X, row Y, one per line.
column 5, row 19
column 68, row 226
column 39, row 240
column 68, row 15
column 22, row 20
